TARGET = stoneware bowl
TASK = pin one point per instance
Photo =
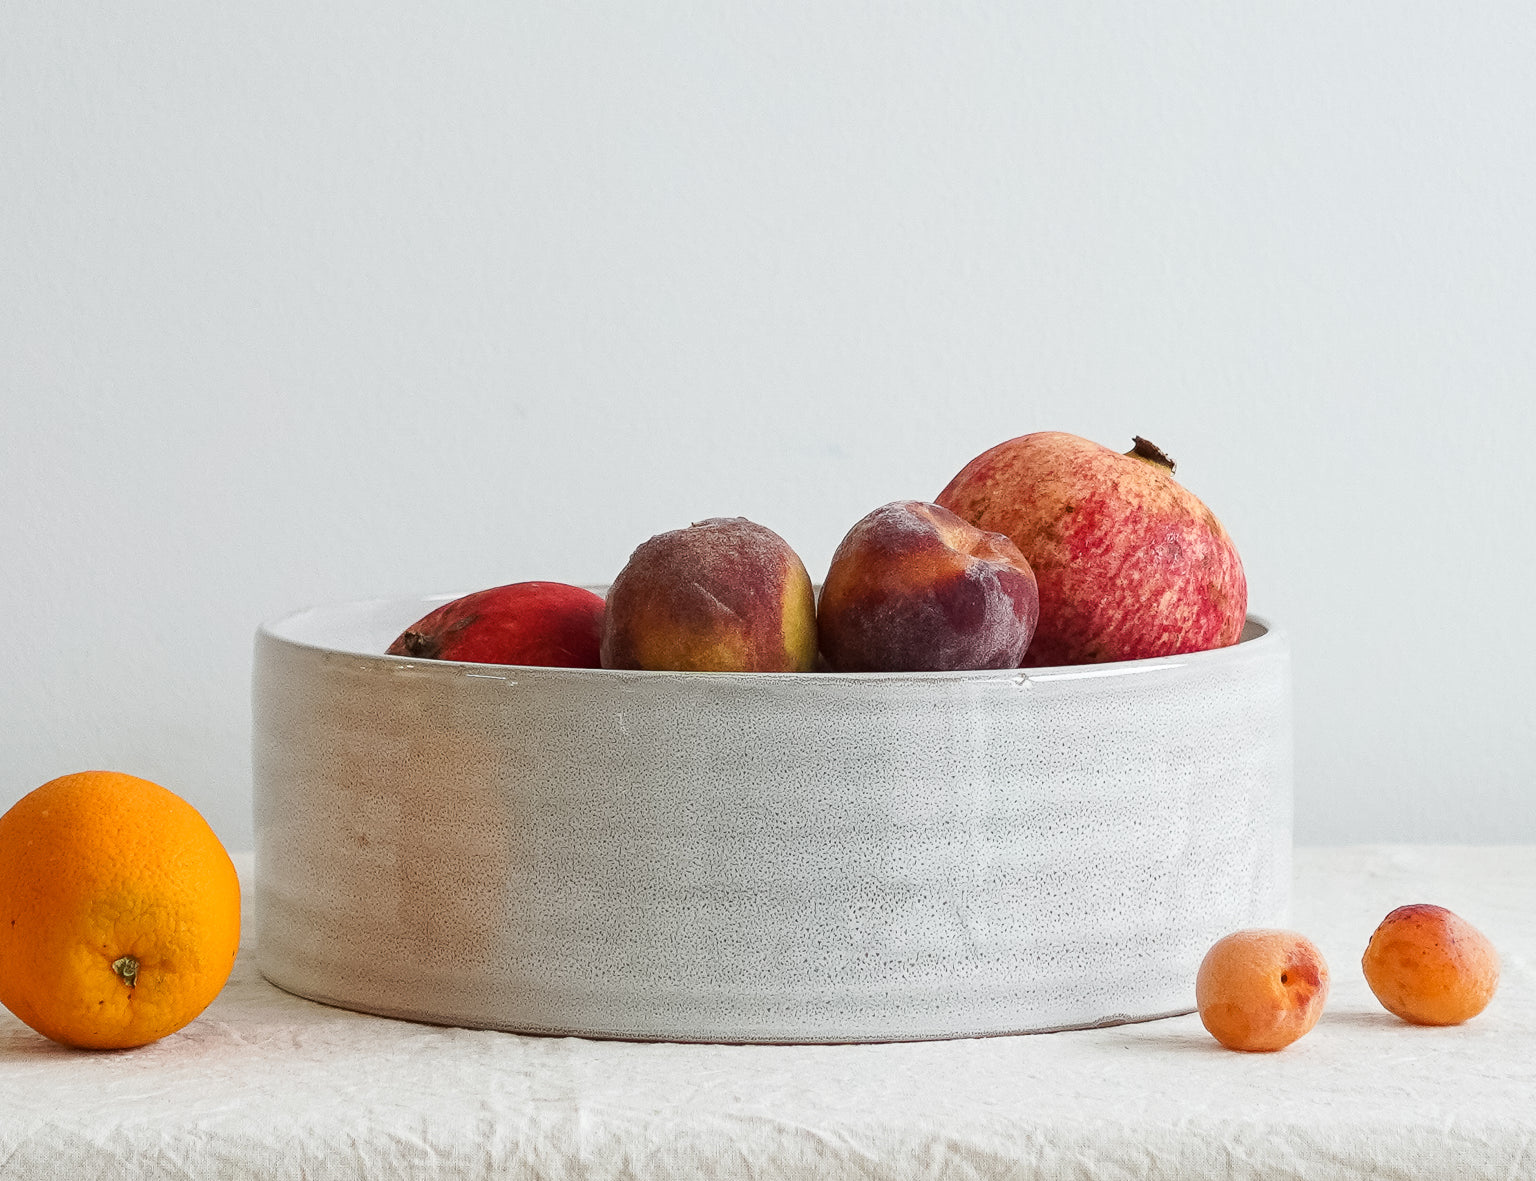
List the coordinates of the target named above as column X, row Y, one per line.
column 759, row 857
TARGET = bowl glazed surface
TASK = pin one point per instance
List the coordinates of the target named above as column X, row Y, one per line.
column 807, row 857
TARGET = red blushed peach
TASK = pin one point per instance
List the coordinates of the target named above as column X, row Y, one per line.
column 913, row 588
column 545, row 623
column 1430, row 966
column 723, row 595
column 1261, row 990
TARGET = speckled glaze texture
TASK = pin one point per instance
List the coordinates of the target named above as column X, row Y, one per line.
column 759, row 857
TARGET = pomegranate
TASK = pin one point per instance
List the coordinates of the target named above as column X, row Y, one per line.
column 1130, row 563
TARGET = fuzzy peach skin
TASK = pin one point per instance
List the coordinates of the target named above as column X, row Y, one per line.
column 541, row 623
column 1430, row 966
column 913, row 588
column 723, row 595
column 1130, row 563
column 1260, row 990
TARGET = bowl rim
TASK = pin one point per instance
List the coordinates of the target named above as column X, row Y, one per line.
column 1270, row 637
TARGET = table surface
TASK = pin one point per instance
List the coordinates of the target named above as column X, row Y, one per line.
column 267, row 1084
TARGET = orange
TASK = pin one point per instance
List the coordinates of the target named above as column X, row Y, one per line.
column 119, row 911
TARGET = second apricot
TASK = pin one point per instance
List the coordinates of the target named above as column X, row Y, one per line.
column 1430, row 966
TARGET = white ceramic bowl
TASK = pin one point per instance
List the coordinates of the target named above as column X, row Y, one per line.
column 759, row 857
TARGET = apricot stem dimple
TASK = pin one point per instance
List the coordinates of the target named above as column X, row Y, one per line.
column 128, row 968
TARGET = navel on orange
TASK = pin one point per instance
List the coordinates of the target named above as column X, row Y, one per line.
column 119, row 911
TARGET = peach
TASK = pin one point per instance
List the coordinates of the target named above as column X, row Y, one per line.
column 913, row 588
column 1260, row 990
column 547, row 623
column 723, row 595
column 1430, row 966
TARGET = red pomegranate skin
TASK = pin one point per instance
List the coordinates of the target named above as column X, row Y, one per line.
column 1130, row 563
column 542, row 623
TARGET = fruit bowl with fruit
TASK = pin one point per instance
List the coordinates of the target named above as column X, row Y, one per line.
column 768, row 818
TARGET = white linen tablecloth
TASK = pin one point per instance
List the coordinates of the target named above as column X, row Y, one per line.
column 267, row 1085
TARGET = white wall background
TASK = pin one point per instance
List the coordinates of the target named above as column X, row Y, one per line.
column 305, row 302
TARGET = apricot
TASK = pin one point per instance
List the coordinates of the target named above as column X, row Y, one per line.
column 723, row 595
column 1260, row 990
column 1430, row 966
column 544, row 623
column 913, row 588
